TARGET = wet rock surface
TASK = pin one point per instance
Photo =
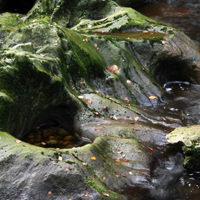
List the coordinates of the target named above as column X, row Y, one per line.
column 98, row 89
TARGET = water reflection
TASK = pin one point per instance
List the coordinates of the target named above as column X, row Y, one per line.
column 169, row 180
column 166, row 178
column 180, row 101
column 185, row 19
column 179, row 105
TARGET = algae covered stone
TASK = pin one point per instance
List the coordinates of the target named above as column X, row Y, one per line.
column 189, row 137
column 186, row 135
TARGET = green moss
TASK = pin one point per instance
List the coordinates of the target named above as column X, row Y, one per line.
column 193, row 150
column 170, row 32
column 9, row 21
column 29, row 89
column 86, row 62
column 112, row 195
column 153, row 40
column 95, row 175
column 164, row 29
column 126, row 36
column 5, row 108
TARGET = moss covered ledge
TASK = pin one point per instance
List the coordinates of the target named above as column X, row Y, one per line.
column 75, row 168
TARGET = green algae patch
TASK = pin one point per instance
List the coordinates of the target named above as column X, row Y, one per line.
column 122, row 19
column 105, row 194
column 133, row 35
column 7, row 141
column 186, row 135
column 9, row 21
column 85, row 62
column 189, row 138
column 47, row 91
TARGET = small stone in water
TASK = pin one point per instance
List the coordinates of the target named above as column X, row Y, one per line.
column 47, row 133
column 65, row 143
column 69, row 138
column 61, row 142
column 38, row 138
column 84, row 164
column 106, row 194
column 51, row 137
column 52, row 142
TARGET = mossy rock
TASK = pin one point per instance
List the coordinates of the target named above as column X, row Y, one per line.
column 189, row 138
column 50, row 74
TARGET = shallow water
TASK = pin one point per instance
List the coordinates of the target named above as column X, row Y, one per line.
column 133, row 34
column 170, row 181
column 180, row 101
column 180, row 17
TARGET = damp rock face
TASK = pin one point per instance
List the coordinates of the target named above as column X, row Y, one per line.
column 56, row 71
column 188, row 138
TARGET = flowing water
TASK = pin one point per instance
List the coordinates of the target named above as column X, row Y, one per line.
column 181, row 101
column 170, row 181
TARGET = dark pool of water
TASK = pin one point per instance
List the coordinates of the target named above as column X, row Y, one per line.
column 182, row 99
column 170, row 181
column 180, row 17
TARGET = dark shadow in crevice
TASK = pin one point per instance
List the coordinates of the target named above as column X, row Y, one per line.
column 19, row 6
column 54, row 128
column 174, row 68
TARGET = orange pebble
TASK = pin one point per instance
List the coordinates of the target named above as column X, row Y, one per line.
column 69, row 138
column 65, row 143
column 51, row 137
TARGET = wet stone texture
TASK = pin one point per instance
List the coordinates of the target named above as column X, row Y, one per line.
column 77, row 108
